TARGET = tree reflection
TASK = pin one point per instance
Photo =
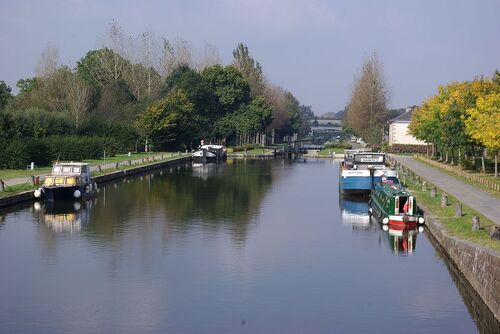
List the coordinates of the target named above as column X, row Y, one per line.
column 225, row 196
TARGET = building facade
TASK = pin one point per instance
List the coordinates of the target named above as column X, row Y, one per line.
column 399, row 132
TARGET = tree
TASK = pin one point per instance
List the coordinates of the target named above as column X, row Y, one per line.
column 5, row 94
column 483, row 123
column 366, row 111
column 78, row 97
column 102, row 67
column 250, row 69
column 170, row 120
column 26, row 85
column 228, row 85
column 48, row 63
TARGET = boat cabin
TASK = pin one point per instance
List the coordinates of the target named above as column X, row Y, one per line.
column 68, row 174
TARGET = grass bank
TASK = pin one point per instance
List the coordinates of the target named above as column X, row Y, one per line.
column 457, row 226
column 11, row 190
column 6, row 174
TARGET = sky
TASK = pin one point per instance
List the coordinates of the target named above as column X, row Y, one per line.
column 313, row 48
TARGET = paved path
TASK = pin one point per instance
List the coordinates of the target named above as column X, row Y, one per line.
column 27, row 179
column 471, row 196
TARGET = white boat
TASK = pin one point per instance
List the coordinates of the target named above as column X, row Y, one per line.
column 210, row 154
column 361, row 170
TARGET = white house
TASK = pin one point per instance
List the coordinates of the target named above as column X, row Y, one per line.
column 398, row 130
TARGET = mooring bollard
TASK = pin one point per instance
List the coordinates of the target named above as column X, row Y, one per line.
column 433, row 192
column 476, row 223
column 424, row 186
column 495, row 232
column 116, row 165
column 444, row 200
column 458, row 210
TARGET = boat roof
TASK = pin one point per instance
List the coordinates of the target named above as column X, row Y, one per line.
column 71, row 164
column 392, row 189
column 212, row 146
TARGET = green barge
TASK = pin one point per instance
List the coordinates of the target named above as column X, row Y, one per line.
column 394, row 205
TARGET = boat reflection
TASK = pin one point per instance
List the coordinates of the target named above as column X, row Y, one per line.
column 355, row 212
column 402, row 239
column 63, row 216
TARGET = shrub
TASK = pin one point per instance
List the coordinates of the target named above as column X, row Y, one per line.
column 13, row 154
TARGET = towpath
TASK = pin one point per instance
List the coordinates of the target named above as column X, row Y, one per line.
column 471, row 196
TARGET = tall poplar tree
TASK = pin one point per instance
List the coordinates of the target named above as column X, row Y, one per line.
column 366, row 111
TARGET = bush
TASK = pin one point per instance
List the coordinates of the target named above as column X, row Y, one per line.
column 399, row 148
column 13, row 154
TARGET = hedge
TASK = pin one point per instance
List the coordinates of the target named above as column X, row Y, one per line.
column 18, row 154
column 399, row 148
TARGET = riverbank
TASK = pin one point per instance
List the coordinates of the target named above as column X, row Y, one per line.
column 480, row 264
column 104, row 177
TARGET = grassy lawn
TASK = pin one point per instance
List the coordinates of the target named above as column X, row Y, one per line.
column 460, row 227
column 17, row 189
column 489, row 177
column 326, row 152
column 6, row 174
column 255, row 151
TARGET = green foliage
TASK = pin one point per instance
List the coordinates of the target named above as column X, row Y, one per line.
column 228, row 85
column 13, row 154
column 26, row 85
column 5, row 94
column 170, row 120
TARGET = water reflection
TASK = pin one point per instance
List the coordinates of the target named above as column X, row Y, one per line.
column 63, row 216
column 212, row 197
column 402, row 239
column 355, row 212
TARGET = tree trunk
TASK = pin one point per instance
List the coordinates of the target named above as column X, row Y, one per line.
column 496, row 164
column 483, row 168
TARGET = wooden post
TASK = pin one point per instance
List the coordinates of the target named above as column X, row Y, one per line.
column 424, row 186
column 130, row 162
column 458, row 210
column 433, row 192
column 495, row 232
column 444, row 200
column 2, row 185
column 143, row 160
column 99, row 168
column 33, row 179
column 476, row 223
column 116, row 165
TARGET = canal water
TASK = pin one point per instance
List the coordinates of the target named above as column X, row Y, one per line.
column 256, row 246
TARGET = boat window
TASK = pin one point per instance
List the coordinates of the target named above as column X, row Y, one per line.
column 66, row 169
column 48, row 181
column 84, row 169
column 71, row 181
column 59, row 180
column 76, row 169
column 56, row 169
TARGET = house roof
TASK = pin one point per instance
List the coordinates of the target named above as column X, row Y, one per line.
column 403, row 118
